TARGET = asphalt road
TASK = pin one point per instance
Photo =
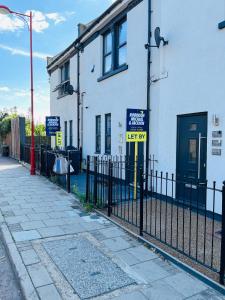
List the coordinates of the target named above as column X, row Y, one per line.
column 9, row 289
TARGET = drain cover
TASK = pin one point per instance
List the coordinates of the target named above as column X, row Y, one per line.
column 97, row 276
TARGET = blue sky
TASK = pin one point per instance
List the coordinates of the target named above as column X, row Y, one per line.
column 55, row 27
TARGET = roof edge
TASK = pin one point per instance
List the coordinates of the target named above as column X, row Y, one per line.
column 77, row 41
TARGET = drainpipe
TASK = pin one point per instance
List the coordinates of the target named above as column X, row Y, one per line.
column 78, row 97
column 148, row 89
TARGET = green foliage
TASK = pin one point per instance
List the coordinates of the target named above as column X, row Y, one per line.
column 39, row 129
column 79, row 195
column 5, row 124
column 88, row 207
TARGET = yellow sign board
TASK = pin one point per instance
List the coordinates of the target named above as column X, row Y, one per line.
column 59, row 138
column 136, row 136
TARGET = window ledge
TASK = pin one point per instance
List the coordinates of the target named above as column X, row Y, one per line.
column 112, row 73
column 221, row 25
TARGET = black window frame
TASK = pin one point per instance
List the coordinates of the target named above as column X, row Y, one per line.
column 65, row 134
column 107, row 54
column 117, row 41
column 108, row 134
column 71, row 133
column 116, row 46
column 98, row 134
column 64, row 79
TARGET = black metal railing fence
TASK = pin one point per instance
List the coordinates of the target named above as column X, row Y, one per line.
column 179, row 220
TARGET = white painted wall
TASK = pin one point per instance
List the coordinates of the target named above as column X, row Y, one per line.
column 195, row 62
column 65, row 107
column 192, row 66
column 117, row 93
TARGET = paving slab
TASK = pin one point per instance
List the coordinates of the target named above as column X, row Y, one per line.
column 26, row 235
column 116, row 244
column 112, row 232
column 128, row 258
column 142, row 253
column 39, row 275
column 150, row 270
column 133, row 296
column 187, row 285
column 160, row 290
column 85, row 266
column 29, row 257
column 208, row 294
column 32, row 225
column 48, row 292
column 51, row 231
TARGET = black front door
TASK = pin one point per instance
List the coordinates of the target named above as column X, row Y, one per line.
column 191, row 159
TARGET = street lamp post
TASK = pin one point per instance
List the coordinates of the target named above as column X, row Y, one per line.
column 5, row 10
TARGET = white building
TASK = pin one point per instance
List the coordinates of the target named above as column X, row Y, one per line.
column 183, row 90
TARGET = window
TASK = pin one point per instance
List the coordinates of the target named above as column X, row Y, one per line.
column 115, row 47
column 107, row 52
column 71, row 133
column 64, row 79
column 65, row 135
column 98, row 134
column 192, row 150
column 122, row 43
column 108, row 134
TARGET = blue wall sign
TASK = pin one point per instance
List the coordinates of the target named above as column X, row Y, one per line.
column 52, row 125
column 137, row 120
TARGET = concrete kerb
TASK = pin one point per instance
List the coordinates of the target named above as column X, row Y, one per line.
column 24, row 279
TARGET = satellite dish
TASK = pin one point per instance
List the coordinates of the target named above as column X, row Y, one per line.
column 70, row 89
column 159, row 38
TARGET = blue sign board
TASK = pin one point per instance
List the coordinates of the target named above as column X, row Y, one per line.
column 137, row 120
column 52, row 125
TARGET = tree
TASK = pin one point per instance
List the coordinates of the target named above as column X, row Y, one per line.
column 39, row 129
column 5, row 124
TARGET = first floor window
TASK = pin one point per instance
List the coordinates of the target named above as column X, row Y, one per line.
column 107, row 52
column 122, row 43
column 108, row 133
column 65, row 133
column 115, row 47
column 71, row 133
column 98, row 134
column 64, row 79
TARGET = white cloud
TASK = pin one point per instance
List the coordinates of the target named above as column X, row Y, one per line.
column 4, row 89
column 8, row 23
column 56, row 17
column 16, row 51
column 41, row 21
column 21, row 99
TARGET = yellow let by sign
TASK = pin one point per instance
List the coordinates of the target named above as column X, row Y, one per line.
column 59, row 138
column 136, row 136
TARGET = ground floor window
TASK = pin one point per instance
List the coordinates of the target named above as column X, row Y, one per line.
column 98, row 134
column 71, row 133
column 108, row 133
column 65, row 134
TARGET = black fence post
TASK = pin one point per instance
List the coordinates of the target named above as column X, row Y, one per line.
column 141, row 202
column 88, row 179
column 95, row 180
column 68, row 173
column 222, row 254
column 109, row 187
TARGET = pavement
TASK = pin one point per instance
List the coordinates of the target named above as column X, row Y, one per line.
column 59, row 251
